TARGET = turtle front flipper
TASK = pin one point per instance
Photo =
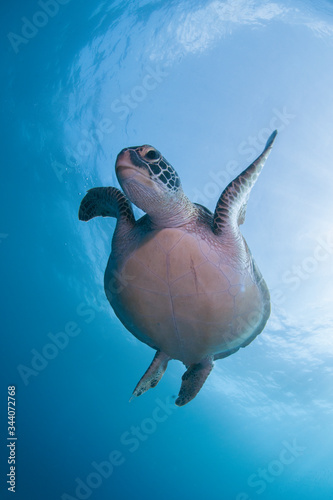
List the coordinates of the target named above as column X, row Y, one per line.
column 153, row 375
column 231, row 206
column 193, row 379
column 106, row 202
column 109, row 202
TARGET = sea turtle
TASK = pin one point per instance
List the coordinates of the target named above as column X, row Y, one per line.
column 180, row 279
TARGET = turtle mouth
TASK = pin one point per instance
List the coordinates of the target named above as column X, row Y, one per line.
column 130, row 169
column 124, row 160
column 126, row 172
column 124, row 166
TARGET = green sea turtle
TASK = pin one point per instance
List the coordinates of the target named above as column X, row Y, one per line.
column 180, row 279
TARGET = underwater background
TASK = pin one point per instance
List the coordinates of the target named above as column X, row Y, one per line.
column 205, row 82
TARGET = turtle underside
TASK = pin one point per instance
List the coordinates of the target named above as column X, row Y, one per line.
column 181, row 292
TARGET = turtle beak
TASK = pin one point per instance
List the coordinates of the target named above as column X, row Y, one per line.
column 124, row 166
column 124, row 159
column 129, row 168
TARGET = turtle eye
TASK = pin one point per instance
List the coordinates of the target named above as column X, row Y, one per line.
column 152, row 155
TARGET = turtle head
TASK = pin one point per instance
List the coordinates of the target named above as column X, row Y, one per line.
column 149, row 181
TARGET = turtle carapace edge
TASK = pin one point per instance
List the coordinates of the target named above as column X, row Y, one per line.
column 181, row 279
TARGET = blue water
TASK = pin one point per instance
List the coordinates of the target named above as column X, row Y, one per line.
column 205, row 83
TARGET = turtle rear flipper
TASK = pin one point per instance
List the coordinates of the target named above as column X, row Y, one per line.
column 153, row 375
column 193, row 379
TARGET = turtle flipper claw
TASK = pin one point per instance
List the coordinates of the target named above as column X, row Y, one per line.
column 153, row 375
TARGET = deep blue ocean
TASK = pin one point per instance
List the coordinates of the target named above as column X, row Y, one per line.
column 205, row 82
